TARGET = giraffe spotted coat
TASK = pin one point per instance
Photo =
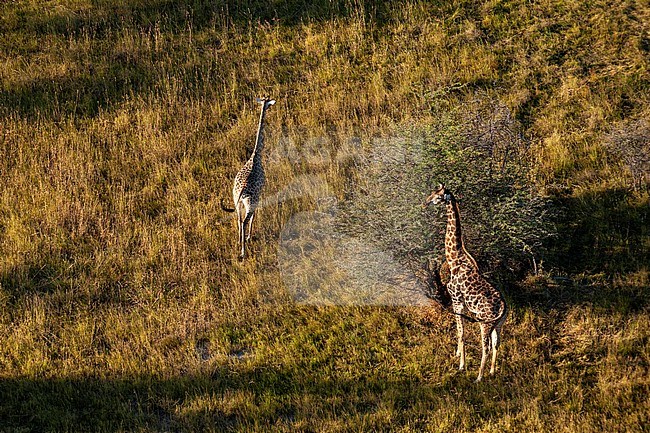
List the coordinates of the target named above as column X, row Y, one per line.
column 470, row 293
column 248, row 184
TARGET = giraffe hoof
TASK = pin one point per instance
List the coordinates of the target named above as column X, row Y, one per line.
column 478, row 379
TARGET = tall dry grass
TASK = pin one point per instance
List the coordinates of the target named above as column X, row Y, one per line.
column 123, row 306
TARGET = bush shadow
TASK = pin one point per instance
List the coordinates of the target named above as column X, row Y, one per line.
column 599, row 257
column 604, row 231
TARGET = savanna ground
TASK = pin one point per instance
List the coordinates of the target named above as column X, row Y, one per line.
column 123, row 306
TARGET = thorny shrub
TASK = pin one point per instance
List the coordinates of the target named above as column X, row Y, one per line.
column 480, row 154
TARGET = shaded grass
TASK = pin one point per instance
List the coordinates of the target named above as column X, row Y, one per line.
column 619, row 245
column 334, row 369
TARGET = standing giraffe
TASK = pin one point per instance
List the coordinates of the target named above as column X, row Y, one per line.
column 467, row 288
column 249, row 182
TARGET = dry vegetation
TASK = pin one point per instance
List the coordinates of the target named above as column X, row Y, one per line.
column 123, row 306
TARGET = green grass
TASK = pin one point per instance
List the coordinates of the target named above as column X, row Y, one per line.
column 123, row 306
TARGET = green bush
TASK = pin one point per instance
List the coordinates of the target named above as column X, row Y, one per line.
column 480, row 155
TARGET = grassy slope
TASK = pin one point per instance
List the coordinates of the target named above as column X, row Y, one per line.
column 122, row 304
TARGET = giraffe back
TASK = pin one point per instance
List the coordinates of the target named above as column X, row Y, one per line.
column 249, row 181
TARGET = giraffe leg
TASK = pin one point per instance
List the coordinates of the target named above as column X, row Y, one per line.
column 495, row 346
column 250, row 227
column 460, row 349
column 496, row 340
column 242, row 239
column 243, row 234
column 485, row 346
column 239, row 225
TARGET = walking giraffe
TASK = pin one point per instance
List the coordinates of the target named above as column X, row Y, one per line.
column 467, row 288
column 249, row 182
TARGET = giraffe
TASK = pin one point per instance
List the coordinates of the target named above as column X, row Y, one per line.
column 249, row 182
column 468, row 289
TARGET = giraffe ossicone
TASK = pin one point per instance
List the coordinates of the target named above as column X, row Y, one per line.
column 469, row 291
column 265, row 100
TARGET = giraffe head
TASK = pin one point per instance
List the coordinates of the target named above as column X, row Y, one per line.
column 437, row 196
column 265, row 101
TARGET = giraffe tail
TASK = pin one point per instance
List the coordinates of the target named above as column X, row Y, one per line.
column 504, row 311
column 227, row 209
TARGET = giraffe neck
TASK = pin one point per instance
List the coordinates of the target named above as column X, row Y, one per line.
column 454, row 237
column 455, row 251
column 259, row 141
